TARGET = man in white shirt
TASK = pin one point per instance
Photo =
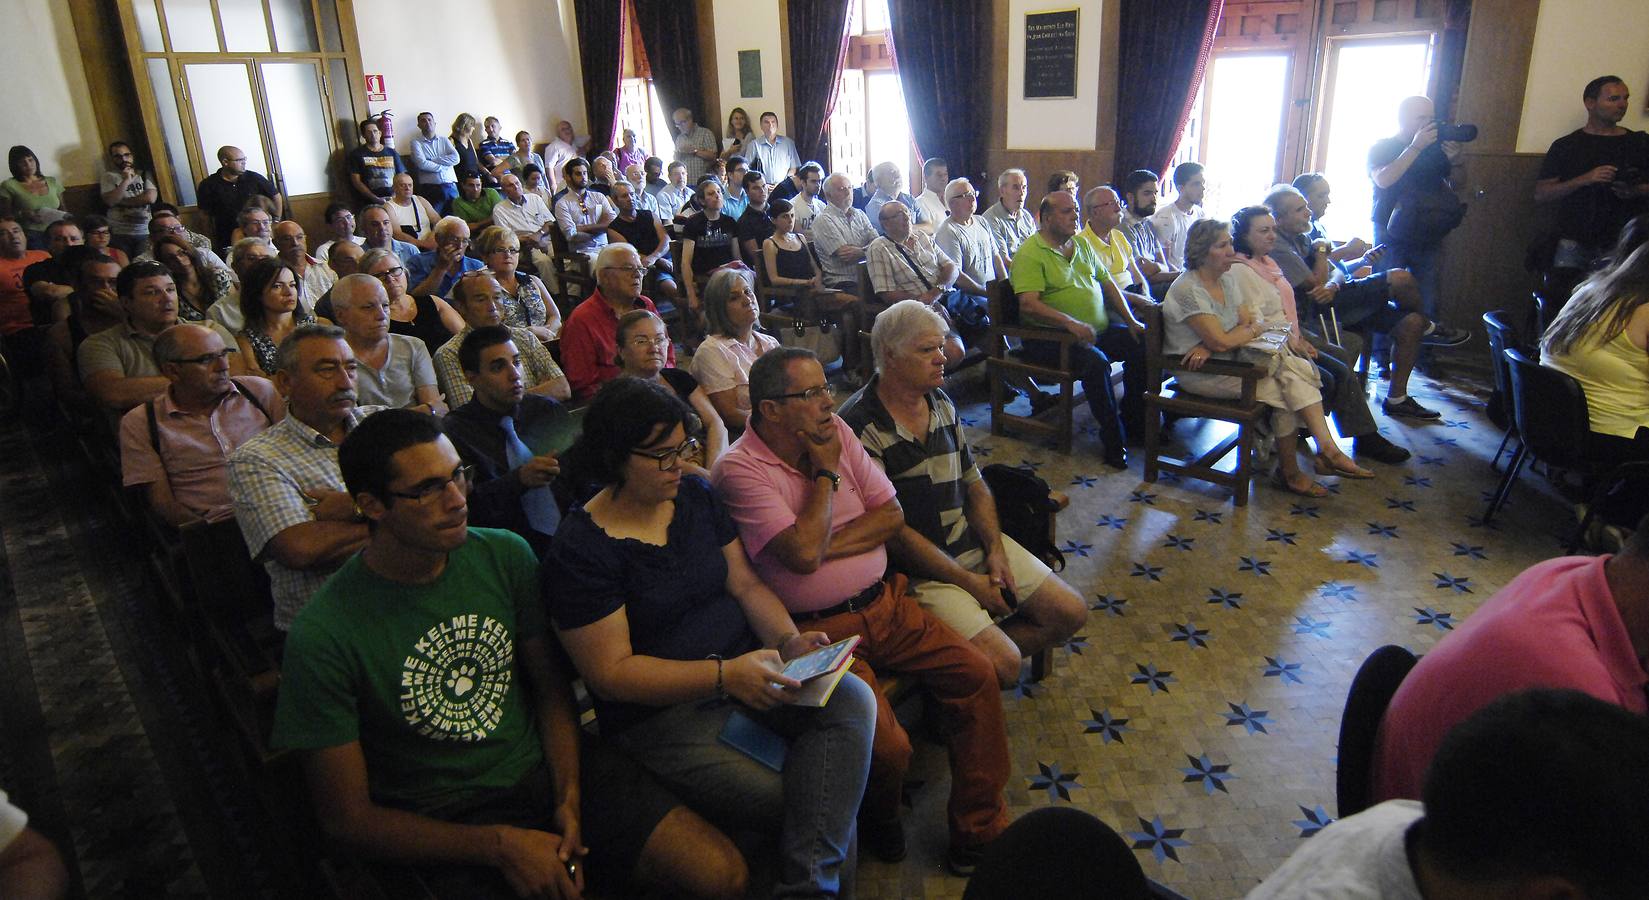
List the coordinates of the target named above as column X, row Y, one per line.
column 582, row 214
column 1010, row 222
column 841, row 234
column 527, row 216
column 931, row 204
column 433, row 157
column 807, row 204
column 292, row 246
column 1172, row 223
column 1522, row 800
column 674, row 196
column 773, row 154
column 905, row 265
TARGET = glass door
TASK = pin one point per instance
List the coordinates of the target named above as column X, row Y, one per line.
column 1364, row 81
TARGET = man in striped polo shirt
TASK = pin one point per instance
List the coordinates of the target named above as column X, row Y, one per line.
column 963, row 569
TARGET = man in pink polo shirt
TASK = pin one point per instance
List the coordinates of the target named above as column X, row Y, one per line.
column 815, row 513
column 177, row 445
column 1573, row 622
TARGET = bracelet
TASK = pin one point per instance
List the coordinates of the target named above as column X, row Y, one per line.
column 720, row 691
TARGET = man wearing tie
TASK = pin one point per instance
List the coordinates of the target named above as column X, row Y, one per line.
column 511, row 482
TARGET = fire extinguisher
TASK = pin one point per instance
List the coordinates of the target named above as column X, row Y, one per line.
column 386, row 123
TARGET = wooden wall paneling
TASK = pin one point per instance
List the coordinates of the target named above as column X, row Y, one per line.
column 789, row 123
column 709, row 82
column 1110, row 104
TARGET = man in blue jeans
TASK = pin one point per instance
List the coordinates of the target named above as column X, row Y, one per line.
column 1061, row 283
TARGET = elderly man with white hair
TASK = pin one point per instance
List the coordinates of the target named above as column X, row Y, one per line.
column 963, row 569
column 1010, row 222
column 529, row 217
column 841, row 234
column 905, row 265
column 889, row 178
column 433, row 272
column 965, row 238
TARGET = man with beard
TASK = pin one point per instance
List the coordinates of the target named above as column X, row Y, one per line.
column 1139, row 192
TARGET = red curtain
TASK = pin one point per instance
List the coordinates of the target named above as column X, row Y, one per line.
column 601, row 27
column 815, row 70
column 1164, row 50
column 936, row 49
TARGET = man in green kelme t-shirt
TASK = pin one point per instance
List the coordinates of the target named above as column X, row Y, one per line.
column 403, row 686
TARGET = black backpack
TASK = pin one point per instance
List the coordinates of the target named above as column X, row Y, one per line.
column 1025, row 510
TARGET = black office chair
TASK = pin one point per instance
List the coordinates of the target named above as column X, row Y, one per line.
column 1552, row 419
column 1502, row 336
column 1371, row 692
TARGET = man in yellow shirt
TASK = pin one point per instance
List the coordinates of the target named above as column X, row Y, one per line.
column 1102, row 208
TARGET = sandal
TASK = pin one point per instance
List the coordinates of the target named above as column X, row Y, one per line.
column 1326, row 466
column 1315, row 491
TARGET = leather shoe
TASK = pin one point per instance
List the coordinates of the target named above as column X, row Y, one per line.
column 885, row 840
column 1377, row 448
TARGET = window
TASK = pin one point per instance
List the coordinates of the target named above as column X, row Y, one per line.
column 269, row 76
column 1240, row 116
column 639, row 108
column 869, row 124
column 1363, row 75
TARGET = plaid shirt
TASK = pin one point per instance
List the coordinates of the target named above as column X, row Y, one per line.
column 831, row 230
column 890, row 270
column 268, row 476
column 537, row 365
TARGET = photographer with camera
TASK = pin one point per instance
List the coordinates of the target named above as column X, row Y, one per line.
column 1597, row 178
column 1414, row 203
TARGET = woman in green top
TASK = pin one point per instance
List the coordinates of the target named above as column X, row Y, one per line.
column 35, row 199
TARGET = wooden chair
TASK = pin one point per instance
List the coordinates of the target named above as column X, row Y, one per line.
column 573, row 279
column 1006, row 323
column 231, row 598
column 1244, row 412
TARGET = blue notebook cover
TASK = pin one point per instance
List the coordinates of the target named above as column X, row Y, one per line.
column 754, row 740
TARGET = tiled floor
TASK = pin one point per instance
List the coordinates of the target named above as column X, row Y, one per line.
column 1196, row 713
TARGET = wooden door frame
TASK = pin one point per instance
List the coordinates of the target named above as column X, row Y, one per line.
column 1322, row 118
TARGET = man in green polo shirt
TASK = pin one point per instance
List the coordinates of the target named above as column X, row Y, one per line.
column 474, row 203
column 1061, row 283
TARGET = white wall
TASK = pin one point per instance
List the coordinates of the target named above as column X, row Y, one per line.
column 1574, row 42
column 1054, row 124
column 748, row 25
column 44, row 101
column 450, row 57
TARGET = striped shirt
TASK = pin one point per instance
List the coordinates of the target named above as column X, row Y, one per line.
column 268, row 477
column 916, row 269
column 931, row 475
column 1144, row 240
column 537, row 365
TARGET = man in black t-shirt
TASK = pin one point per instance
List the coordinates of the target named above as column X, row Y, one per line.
column 372, row 166
column 1410, row 164
column 755, row 225
column 642, row 230
column 223, row 194
column 1595, row 178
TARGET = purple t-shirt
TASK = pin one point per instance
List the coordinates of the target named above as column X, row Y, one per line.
column 1554, row 626
column 764, row 494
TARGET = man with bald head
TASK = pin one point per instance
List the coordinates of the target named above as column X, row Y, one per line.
column 841, row 233
column 480, row 300
column 394, row 369
column 292, row 245
column 1412, row 164
column 905, row 265
column 223, row 194
column 1102, row 209
column 177, row 446
column 433, row 272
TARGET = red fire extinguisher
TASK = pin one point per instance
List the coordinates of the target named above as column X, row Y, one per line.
column 386, row 123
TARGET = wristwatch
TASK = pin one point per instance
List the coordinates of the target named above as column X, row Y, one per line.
column 835, row 480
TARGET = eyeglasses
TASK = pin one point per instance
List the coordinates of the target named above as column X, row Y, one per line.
column 205, row 359
column 810, row 395
column 461, row 476
column 637, row 271
column 387, row 274
column 667, row 458
column 644, row 341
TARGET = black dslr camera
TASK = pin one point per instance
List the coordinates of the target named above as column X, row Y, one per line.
column 1460, row 134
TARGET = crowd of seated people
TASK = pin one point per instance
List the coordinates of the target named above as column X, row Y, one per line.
column 371, row 461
